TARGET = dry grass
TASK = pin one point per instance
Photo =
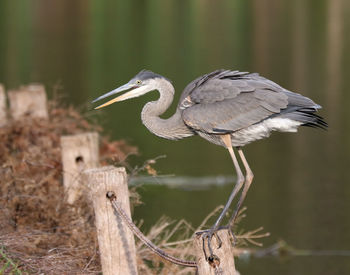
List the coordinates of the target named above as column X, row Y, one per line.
column 176, row 238
column 38, row 230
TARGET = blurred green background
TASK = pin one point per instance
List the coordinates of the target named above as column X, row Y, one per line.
column 301, row 188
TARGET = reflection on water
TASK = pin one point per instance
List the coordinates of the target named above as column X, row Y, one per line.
column 185, row 183
column 301, row 188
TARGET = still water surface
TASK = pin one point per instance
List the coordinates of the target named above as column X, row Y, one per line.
column 301, row 188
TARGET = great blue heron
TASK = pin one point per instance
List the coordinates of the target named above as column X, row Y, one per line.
column 227, row 108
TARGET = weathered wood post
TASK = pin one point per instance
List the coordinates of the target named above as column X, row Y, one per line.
column 115, row 239
column 224, row 264
column 29, row 100
column 79, row 152
column 3, row 114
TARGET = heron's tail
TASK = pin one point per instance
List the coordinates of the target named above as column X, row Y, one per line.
column 308, row 117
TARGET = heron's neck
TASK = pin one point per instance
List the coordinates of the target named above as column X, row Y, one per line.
column 171, row 128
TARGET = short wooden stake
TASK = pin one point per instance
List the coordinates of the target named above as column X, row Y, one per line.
column 28, row 101
column 115, row 239
column 79, row 152
column 226, row 263
column 3, row 115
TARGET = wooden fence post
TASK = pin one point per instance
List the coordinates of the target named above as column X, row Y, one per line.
column 115, row 239
column 3, row 114
column 226, row 263
column 79, row 152
column 28, row 100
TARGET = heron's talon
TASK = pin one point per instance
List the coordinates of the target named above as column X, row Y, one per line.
column 218, row 239
column 207, row 236
column 199, row 233
column 229, row 228
column 233, row 237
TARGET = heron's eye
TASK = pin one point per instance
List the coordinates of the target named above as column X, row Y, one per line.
column 138, row 82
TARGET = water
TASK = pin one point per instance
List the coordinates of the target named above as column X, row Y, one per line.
column 301, row 188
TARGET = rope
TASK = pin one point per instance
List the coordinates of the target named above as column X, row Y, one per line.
column 161, row 253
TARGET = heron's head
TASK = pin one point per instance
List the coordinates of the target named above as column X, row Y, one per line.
column 140, row 84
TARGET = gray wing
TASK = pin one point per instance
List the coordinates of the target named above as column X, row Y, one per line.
column 226, row 101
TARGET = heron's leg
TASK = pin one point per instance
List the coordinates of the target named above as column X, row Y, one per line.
column 240, row 179
column 248, row 180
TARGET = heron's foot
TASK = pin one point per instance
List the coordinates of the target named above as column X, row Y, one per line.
column 229, row 228
column 231, row 223
column 207, row 236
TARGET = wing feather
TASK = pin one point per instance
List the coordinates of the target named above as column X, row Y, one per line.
column 226, row 101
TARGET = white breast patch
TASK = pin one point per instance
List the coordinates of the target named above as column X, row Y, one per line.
column 263, row 130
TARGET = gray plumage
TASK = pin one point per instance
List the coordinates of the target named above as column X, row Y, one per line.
column 245, row 105
column 229, row 101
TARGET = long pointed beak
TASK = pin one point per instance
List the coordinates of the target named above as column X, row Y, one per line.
column 125, row 87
